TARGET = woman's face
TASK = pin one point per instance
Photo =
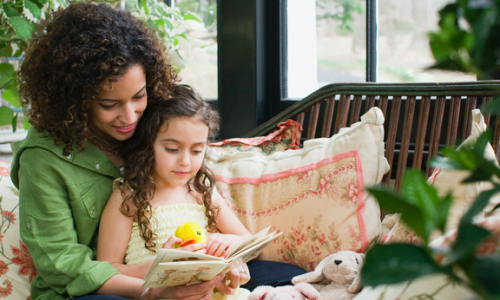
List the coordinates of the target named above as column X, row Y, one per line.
column 119, row 105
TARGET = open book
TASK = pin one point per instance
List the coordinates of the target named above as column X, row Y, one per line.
column 176, row 267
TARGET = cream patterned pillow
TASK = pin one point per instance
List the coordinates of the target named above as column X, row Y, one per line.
column 314, row 195
column 16, row 266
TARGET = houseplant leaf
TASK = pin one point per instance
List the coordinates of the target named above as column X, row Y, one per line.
column 393, row 203
column 394, row 263
column 6, row 115
column 21, row 27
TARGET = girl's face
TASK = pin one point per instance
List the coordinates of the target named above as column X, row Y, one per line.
column 179, row 150
column 119, row 105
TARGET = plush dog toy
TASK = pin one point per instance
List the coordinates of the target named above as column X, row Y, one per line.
column 336, row 276
column 301, row 291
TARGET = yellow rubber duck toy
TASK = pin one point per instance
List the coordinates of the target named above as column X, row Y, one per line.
column 190, row 233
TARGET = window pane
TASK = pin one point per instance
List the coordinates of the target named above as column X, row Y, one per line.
column 326, row 44
column 199, row 49
column 403, row 45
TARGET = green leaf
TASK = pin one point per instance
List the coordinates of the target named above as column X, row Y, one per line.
column 33, row 8
column 169, row 24
column 468, row 237
column 395, row 263
column 5, row 49
column 21, row 27
column 6, row 115
column 410, row 213
column 11, row 95
column 14, row 123
column 419, row 193
column 10, row 11
column 487, row 270
column 26, row 123
column 6, row 74
column 443, row 210
column 190, row 16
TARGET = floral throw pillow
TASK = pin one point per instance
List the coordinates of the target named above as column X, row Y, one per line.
column 286, row 137
column 16, row 266
column 314, row 195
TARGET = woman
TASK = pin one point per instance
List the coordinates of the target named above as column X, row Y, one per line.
column 87, row 76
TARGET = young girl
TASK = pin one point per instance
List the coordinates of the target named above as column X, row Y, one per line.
column 166, row 184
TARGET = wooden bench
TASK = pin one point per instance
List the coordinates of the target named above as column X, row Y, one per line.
column 420, row 118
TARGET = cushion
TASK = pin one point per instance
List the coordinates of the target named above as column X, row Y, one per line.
column 464, row 194
column 16, row 266
column 286, row 137
column 314, row 195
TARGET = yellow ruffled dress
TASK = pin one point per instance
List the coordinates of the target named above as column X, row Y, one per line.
column 165, row 220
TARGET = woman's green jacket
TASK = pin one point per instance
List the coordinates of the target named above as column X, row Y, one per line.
column 61, row 199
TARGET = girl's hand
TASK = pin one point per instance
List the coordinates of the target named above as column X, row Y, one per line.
column 199, row 248
column 201, row 291
column 237, row 277
column 220, row 245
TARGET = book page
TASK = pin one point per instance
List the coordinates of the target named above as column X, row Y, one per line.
column 173, row 255
column 181, row 273
column 254, row 239
column 250, row 253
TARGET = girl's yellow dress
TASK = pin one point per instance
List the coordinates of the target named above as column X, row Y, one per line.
column 165, row 220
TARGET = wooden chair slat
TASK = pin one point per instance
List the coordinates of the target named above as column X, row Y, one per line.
column 342, row 113
column 405, row 140
column 355, row 110
column 300, row 118
column 496, row 137
column 370, row 102
column 313, row 121
column 470, row 104
column 328, row 117
column 437, row 123
column 451, row 136
column 423, row 117
column 487, row 116
column 391, row 135
column 382, row 104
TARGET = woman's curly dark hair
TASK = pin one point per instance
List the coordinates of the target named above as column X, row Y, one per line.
column 70, row 56
column 138, row 154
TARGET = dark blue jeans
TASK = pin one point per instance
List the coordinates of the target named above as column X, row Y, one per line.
column 101, row 297
column 264, row 272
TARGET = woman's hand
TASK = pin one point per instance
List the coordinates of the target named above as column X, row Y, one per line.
column 201, row 291
column 198, row 248
column 236, row 277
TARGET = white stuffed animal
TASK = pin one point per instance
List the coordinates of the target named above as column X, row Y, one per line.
column 301, row 291
column 336, row 276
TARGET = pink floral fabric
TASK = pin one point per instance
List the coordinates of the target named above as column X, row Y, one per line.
column 318, row 207
column 284, row 138
column 17, row 269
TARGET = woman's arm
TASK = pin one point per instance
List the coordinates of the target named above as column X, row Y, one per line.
column 58, row 216
column 114, row 233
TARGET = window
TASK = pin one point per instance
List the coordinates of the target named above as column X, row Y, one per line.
column 327, row 40
column 199, row 48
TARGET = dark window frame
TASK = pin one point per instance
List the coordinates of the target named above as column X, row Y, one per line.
column 252, row 53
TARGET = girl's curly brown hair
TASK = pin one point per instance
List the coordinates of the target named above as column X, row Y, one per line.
column 69, row 57
column 138, row 154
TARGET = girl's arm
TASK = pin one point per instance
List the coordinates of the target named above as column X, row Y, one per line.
column 233, row 231
column 114, row 233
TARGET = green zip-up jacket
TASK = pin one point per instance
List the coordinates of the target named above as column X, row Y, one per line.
column 61, row 199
